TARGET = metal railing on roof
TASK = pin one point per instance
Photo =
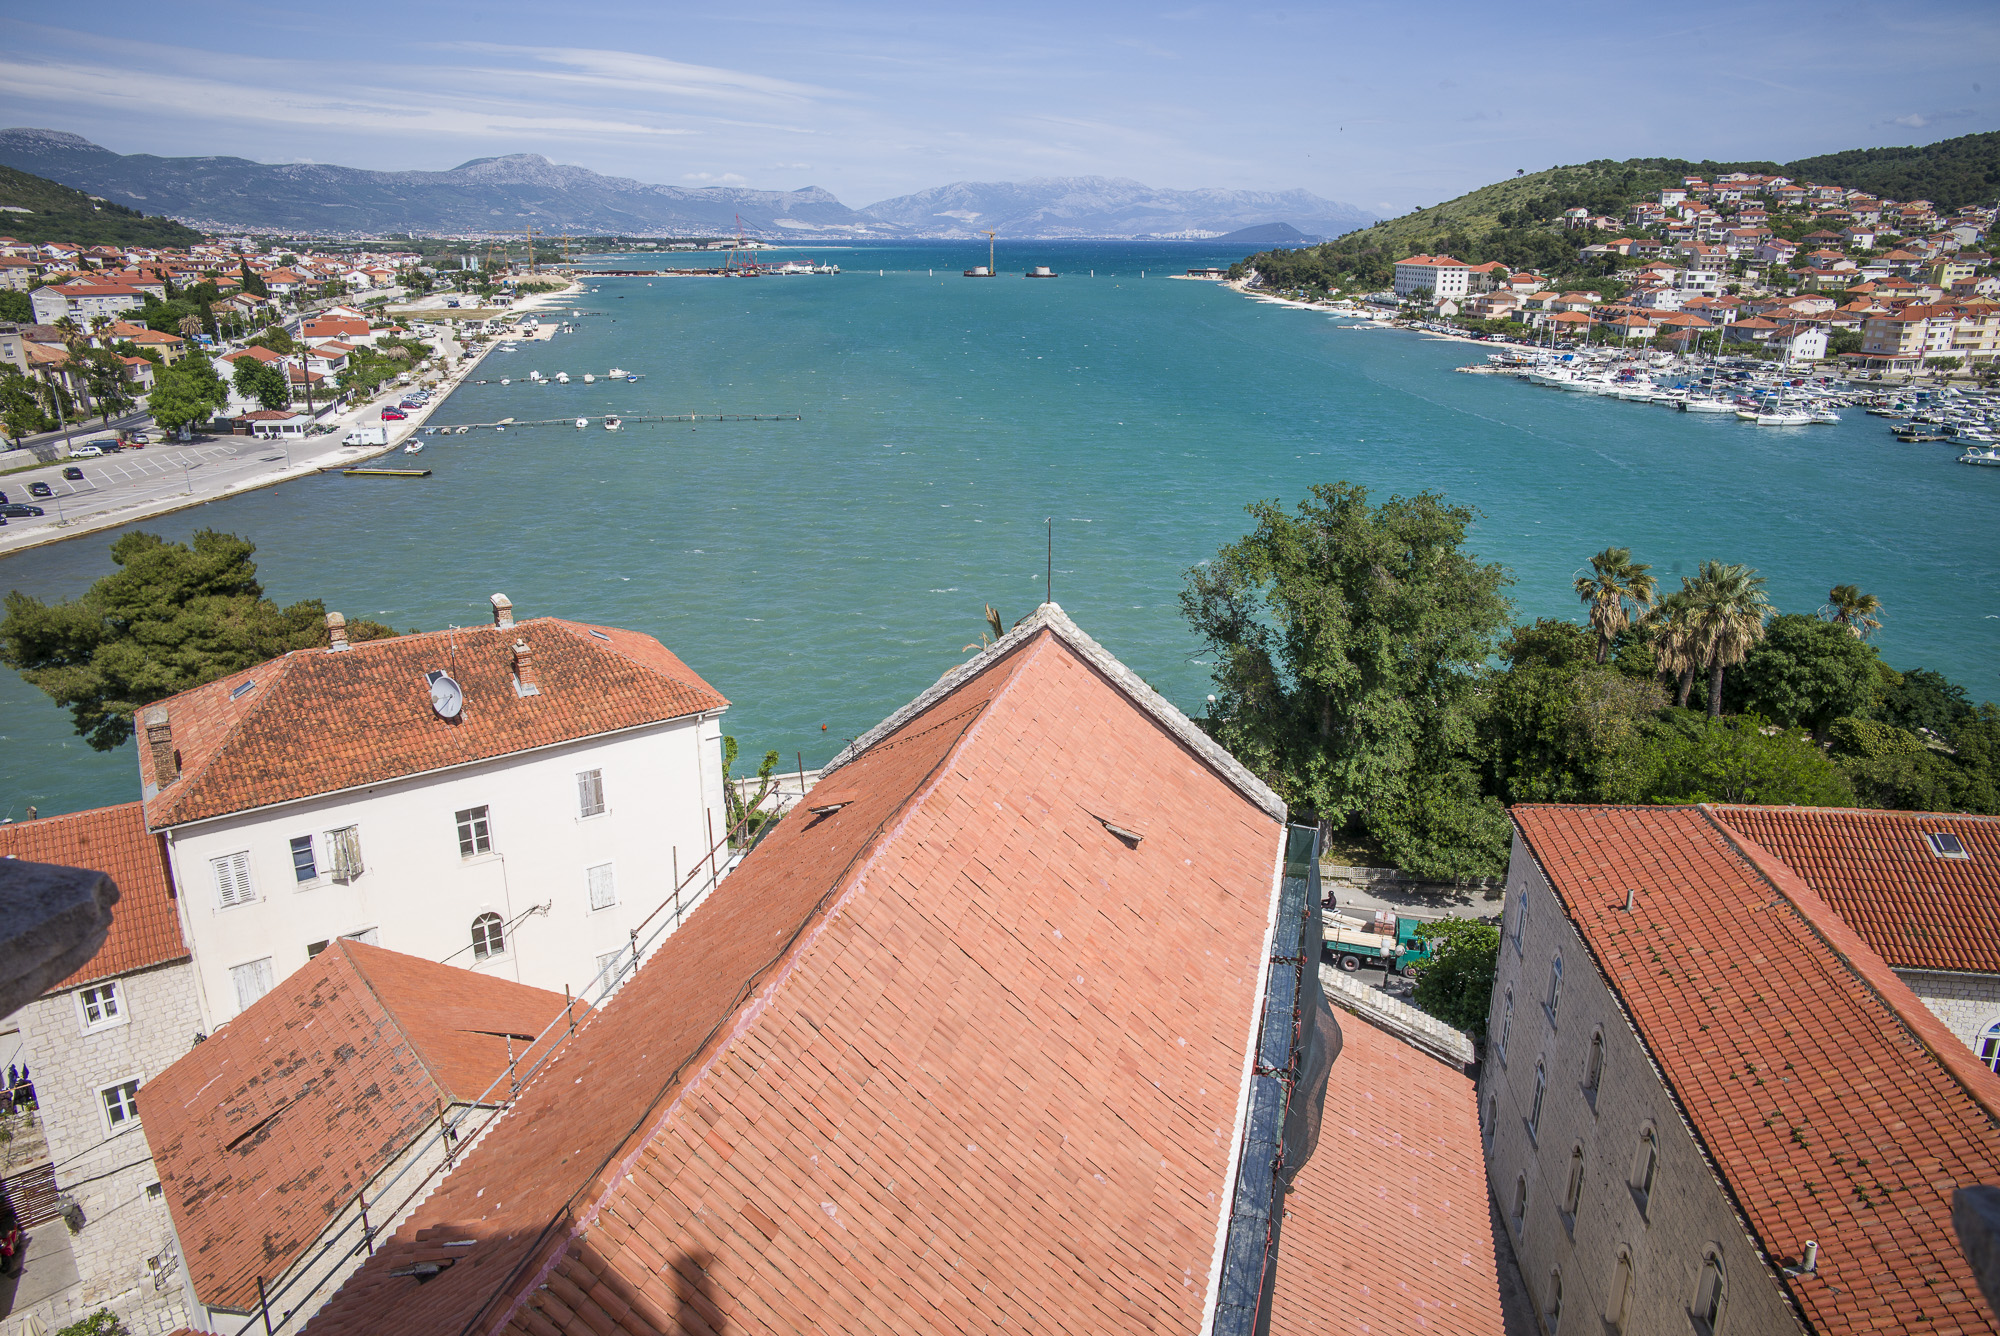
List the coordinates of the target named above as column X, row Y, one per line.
column 443, row 1130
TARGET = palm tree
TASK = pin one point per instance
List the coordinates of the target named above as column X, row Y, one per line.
column 1855, row 610
column 1727, row 612
column 1614, row 578
column 1674, row 642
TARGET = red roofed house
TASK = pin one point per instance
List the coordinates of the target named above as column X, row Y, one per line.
column 92, row 1044
column 1698, row 1070
column 1440, row 275
column 342, row 1091
column 83, row 301
column 987, row 1035
column 520, row 798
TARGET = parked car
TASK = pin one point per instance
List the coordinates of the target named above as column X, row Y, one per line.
column 16, row 511
column 73, row 473
column 40, row 489
column 138, row 438
column 394, row 415
column 411, row 405
column 86, row 452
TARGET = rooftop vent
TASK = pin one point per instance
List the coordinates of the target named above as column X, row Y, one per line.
column 1944, row 844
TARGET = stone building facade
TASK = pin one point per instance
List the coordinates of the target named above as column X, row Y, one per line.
column 1968, row 1003
column 1614, row 1210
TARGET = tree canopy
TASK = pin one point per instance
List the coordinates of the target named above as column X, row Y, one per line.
column 171, row 617
column 187, row 392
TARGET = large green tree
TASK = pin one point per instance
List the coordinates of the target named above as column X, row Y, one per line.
column 1349, row 644
column 1456, row 984
column 261, row 381
column 172, row 616
column 1562, row 727
column 187, row 392
column 1805, row 673
column 1696, row 759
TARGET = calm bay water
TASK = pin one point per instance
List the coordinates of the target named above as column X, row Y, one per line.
column 822, row 572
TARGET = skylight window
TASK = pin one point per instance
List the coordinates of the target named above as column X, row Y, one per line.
column 242, row 689
column 1944, row 844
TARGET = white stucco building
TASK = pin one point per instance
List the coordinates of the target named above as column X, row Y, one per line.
column 519, row 799
column 1440, row 275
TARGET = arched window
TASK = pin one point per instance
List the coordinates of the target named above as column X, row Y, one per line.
column 1492, row 1112
column 1553, row 1313
column 1619, row 1309
column 1535, row 1109
column 1506, row 1023
column 1989, row 1046
column 489, row 937
column 1521, row 919
column 1520, row 1201
column 1593, row 1068
column 1708, row 1296
column 1555, row 987
column 1573, row 1195
column 1646, row 1169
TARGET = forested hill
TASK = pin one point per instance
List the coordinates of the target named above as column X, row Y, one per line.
column 1951, row 173
column 1517, row 220
column 58, row 213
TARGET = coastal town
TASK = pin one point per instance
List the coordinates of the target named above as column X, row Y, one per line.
column 467, row 978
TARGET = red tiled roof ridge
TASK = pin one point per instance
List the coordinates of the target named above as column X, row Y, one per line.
column 1867, row 965
column 1051, row 617
column 163, row 806
column 684, row 1081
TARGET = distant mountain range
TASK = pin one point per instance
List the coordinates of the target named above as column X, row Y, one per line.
column 1102, row 206
column 520, row 190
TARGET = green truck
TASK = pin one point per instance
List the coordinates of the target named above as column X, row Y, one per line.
column 1353, row 949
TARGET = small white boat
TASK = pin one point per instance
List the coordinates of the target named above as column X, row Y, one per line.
column 562, row 377
column 1826, row 416
column 616, row 373
column 589, row 379
column 414, row 448
column 1990, row 456
column 504, row 380
column 1696, row 404
column 1779, row 419
column 612, row 423
column 581, row 423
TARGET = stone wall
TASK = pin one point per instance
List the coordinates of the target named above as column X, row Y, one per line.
column 1665, row 1236
column 1968, row 1003
column 125, row 1253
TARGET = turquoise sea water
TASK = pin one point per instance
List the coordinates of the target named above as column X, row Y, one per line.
column 822, row 572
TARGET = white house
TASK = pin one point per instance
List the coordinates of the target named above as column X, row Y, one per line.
column 83, row 301
column 521, row 799
column 1441, row 275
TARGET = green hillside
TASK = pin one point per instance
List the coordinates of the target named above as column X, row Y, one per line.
column 61, row 214
column 1516, row 220
column 1950, row 173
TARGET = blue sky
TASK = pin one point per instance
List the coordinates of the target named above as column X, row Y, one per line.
column 1384, row 106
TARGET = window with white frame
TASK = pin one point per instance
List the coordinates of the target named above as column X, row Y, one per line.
column 232, row 880
column 1521, row 919
column 1593, row 1067
column 305, row 865
column 1535, row 1109
column 489, row 937
column 1989, row 1046
column 1555, row 987
column 343, row 854
column 100, row 1004
column 252, row 981
column 1647, row 1169
column 1520, row 1214
column 121, row 1105
column 1573, row 1193
column 475, row 835
column 603, row 886
column 1707, row 1309
column 1506, row 1025
column 1619, row 1309
column 1552, row 1313
column 590, row 793
column 611, row 966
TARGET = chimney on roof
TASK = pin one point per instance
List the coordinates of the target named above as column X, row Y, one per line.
column 336, row 631
column 503, row 611
column 524, row 670
column 160, row 744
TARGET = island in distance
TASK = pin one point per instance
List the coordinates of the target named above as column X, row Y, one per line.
column 519, row 190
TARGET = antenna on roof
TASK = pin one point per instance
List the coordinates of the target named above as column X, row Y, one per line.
column 1048, row 579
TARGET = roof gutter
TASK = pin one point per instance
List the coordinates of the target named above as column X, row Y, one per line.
column 1282, row 1093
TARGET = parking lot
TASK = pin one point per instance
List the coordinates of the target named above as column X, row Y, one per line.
column 139, row 477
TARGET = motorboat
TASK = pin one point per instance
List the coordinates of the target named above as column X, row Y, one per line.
column 562, row 377
column 1990, row 456
column 612, row 423
column 589, row 379
column 581, row 423
column 1826, row 416
column 415, row 447
column 505, row 380
column 1702, row 404
column 1777, row 418
column 616, row 373
column 633, row 379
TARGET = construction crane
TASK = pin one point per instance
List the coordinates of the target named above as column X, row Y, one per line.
column 531, row 249
column 989, row 255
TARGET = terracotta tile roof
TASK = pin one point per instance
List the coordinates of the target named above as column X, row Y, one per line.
column 145, row 925
column 263, row 1133
column 1400, row 1134
column 1917, row 910
column 1767, row 1014
column 951, row 1056
column 319, row 721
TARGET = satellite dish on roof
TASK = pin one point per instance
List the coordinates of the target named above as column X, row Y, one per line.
column 447, row 697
